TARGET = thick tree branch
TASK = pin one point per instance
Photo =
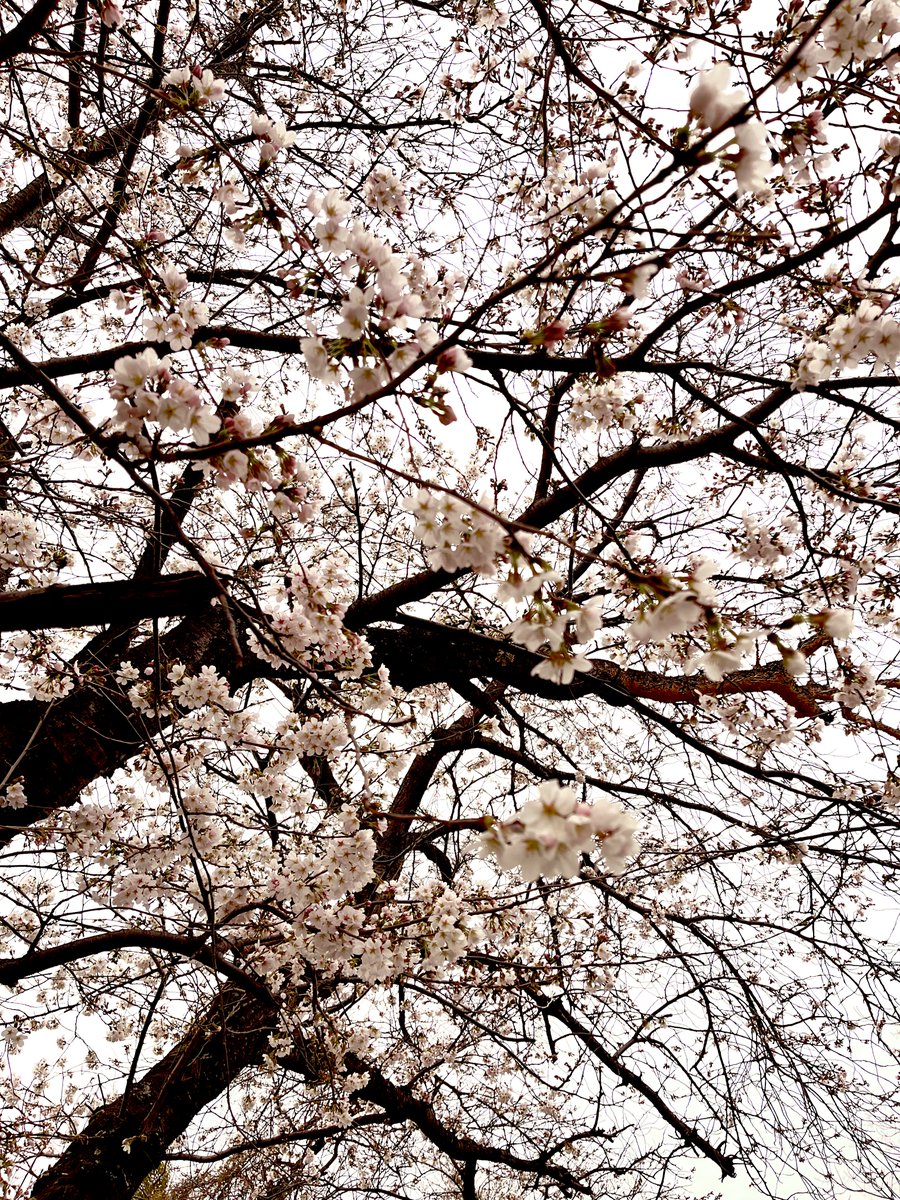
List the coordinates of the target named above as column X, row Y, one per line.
column 424, row 652
column 58, row 748
column 145, row 118
column 86, row 604
column 19, row 37
column 125, row 1139
column 42, row 191
column 692, row 1137
column 197, row 949
column 400, row 1103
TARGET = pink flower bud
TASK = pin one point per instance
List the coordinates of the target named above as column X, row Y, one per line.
column 555, row 331
column 616, row 321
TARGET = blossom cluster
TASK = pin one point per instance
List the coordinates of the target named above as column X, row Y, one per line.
column 602, row 405
column 679, row 610
column 459, row 536
column 694, row 599
column 860, row 687
column 563, row 199
column 148, row 392
column 274, row 136
column 761, row 542
column 20, row 542
column 386, row 325
column 449, row 930
column 207, row 687
column 200, row 87
column 456, row 535
column 722, row 659
column 14, row 796
column 547, row 836
column 289, row 484
column 714, row 103
column 314, row 736
column 427, row 933
column 187, row 314
column 854, row 30
column 385, row 192
column 852, row 337
column 552, row 625
column 200, row 702
column 305, row 623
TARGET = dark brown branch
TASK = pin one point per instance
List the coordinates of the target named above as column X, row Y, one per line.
column 400, row 1103
column 555, row 1008
column 424, row 652
column 76, row 50
column 41, row 192
column 284, row 1139
column 197, row 949
column 145, row 118
column 420, row 653
column 58, row 748
column 131, row 600
column 19, row 37
column 126, row 1139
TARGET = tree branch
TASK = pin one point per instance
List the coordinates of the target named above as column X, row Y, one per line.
column 125, row 1139
column 77, row 605
column 19, row 37
column 197, row 949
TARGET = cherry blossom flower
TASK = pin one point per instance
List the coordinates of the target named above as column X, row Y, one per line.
column 204, row 86
column 274, row 135
column 354, row 315
column 675, row 614
column 368, row 378
column 178, row 77
column 207, row 88
column 134, row 371
column 111, row 15
column 716, row 664
column 521, row 587
column 636, row 282
column 835, row 622
column 454, row 358
column 174, row 281
column 427, row 336
column 752, row 163
column 200, row 423
column 178, row 333
column 794, row 662
column 193, row 312
column 455, row 534
column 316, row 357
column 713, row 101
column 14, row 796
column 155, row 327
column 385, row 193
column 547, row 836
column 559, row 666
column 334, row 205
column 230, row 195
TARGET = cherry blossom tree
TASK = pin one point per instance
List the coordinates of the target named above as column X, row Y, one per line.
column 449, row 593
